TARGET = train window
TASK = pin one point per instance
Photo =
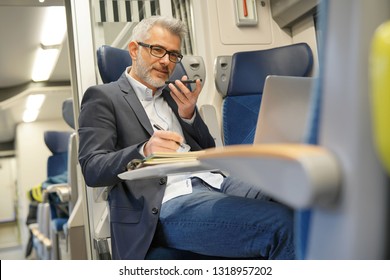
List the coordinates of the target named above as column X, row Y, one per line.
column 124, row 11
column 181, row 9
column 113, row 20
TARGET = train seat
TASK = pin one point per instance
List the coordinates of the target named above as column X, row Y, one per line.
column 52, row 213
column 240, row 80
column 57, row 143
column 71, row 227
column 61, row 193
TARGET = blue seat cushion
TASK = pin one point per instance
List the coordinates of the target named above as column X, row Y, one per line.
column 240, row 115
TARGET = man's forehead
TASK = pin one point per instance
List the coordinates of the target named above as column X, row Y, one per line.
column 158, row 36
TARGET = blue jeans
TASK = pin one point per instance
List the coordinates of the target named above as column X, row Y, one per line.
column 237, row 221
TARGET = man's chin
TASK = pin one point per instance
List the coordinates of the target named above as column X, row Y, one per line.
column 159, row 82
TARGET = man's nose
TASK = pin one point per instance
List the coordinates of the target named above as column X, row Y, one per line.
column 165, row 59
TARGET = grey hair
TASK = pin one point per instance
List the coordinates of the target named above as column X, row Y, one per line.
column 175, row 26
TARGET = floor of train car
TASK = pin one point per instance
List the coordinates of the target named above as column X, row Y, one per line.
column 18, row 252
column 14, row 253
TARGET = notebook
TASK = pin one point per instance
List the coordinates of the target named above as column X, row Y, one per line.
column 284, row 110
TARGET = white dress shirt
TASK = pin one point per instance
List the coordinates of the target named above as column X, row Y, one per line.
column 160, row 113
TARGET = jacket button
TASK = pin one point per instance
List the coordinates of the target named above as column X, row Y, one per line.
column 163, row 181
column 154, row 210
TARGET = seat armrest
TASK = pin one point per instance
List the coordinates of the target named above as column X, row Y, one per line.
column 298, row 175
column 62, row 190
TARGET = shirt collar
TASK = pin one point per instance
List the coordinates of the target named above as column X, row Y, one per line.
column 143, row 92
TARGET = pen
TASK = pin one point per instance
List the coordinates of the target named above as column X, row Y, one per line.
column 182, row 146
column 158, row 127
column 184, row 82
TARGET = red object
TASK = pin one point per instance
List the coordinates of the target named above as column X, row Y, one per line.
column 245, row 8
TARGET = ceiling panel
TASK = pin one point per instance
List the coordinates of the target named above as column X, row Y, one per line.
column 21, row 22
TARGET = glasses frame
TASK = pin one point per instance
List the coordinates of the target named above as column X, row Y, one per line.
column 179, row 56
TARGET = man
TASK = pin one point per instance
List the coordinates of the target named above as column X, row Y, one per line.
column 204, row 213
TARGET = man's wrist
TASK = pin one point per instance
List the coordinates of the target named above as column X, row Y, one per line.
column 191, row 120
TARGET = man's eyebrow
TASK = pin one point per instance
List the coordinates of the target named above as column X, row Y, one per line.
column 158, row 45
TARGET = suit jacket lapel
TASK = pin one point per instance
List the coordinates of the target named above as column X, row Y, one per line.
column 133, row 101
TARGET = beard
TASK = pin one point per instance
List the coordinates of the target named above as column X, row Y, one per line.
column 143, row 71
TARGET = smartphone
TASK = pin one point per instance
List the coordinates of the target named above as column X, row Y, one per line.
column 184, row 82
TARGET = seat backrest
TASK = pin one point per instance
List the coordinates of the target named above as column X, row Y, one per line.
column 248, row 72
column 112, row 62
column 73, row 226
column 57, row 165
column 57, row 143
column 67, row 112
column 68, row 116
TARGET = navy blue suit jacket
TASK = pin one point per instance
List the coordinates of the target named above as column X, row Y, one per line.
column 112, row 126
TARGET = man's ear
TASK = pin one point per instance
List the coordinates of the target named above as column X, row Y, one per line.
column 133, row 50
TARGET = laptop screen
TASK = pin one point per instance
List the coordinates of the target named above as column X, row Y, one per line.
column 284, row 110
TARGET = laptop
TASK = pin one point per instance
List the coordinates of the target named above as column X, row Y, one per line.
column 284, row 110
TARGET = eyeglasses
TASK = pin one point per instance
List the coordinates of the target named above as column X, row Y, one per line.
column 160, row 52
